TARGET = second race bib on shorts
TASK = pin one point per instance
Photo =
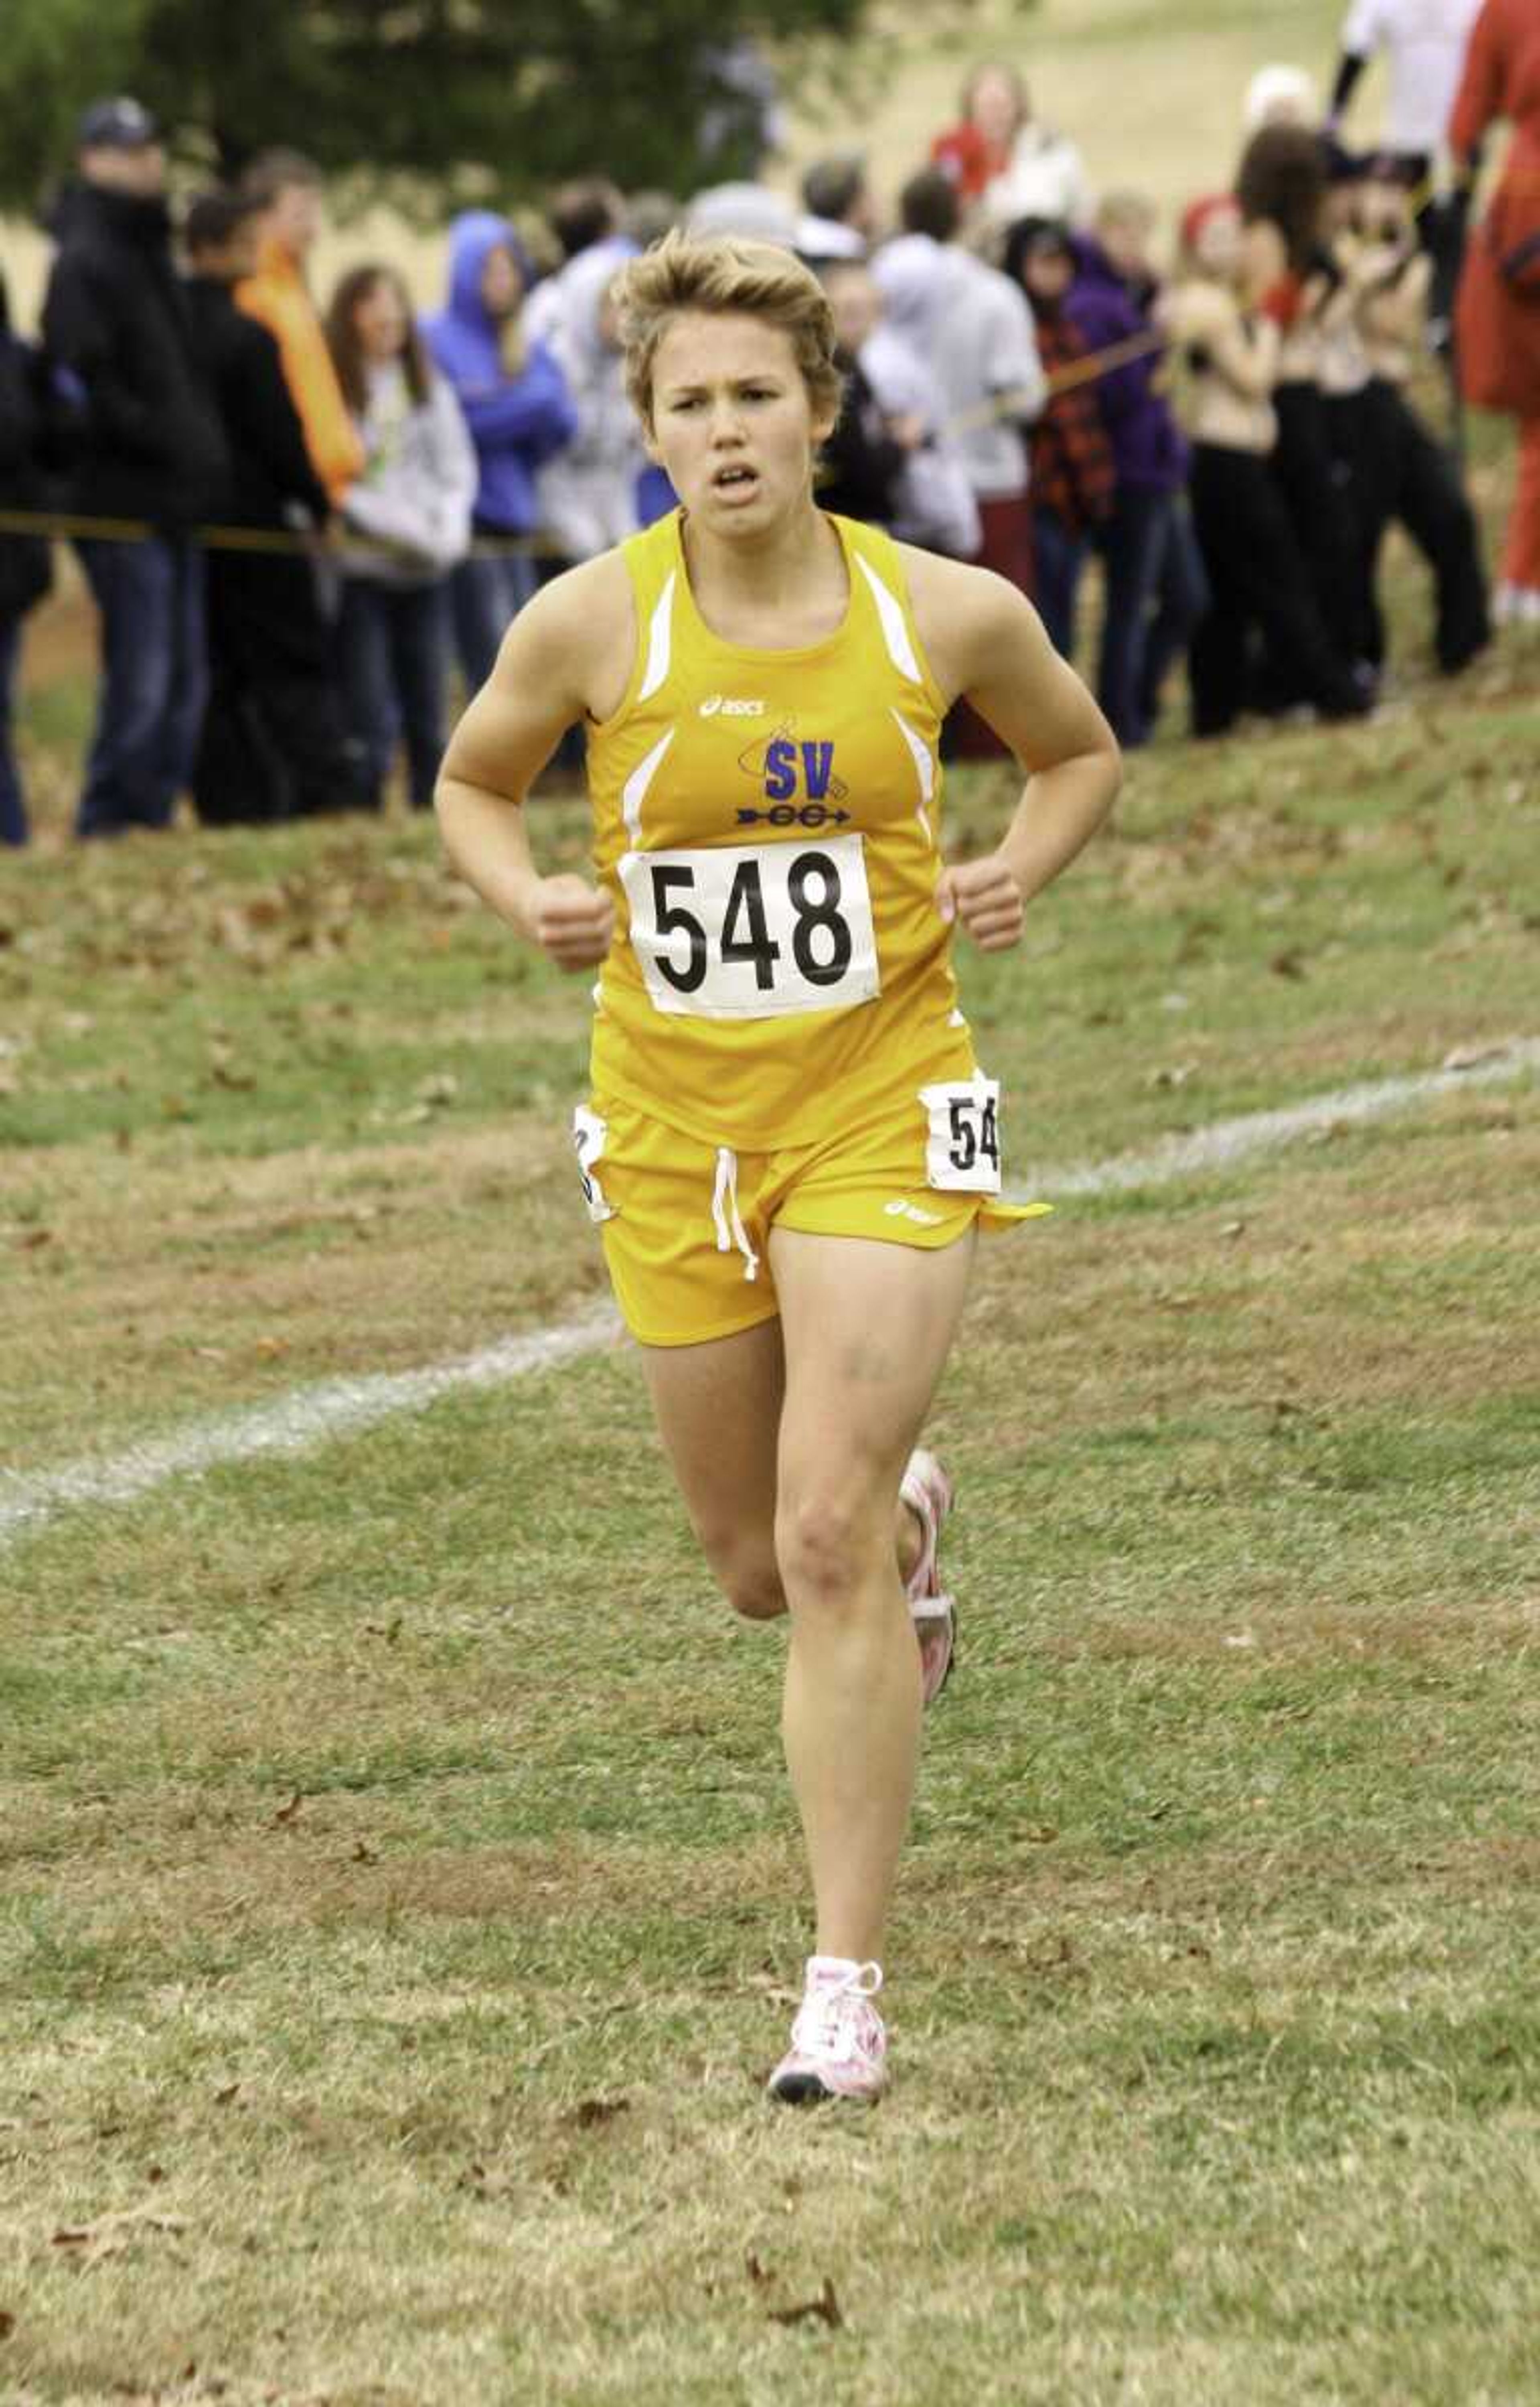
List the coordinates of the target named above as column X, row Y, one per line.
column 751, row 932
column 963, row 1146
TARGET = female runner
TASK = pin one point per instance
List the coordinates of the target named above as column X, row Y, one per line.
column 788, row 1141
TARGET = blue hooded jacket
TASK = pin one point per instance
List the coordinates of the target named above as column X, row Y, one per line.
column 517, row 423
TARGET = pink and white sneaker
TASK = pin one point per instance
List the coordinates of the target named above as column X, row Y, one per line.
column 839, row 2047
column 927, row 1489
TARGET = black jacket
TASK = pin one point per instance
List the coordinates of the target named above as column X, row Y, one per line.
column 34, row 436
column 270, row 466
column 861, row 462
column 117, row 317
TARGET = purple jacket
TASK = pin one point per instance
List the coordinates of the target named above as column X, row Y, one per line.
column 1147, row 446
column 516, row 422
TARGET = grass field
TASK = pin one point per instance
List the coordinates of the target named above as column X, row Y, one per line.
column 401, row 1899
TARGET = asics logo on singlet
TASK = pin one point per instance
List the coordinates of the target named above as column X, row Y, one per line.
column 730, row 706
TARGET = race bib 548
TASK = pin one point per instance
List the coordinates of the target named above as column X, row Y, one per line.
column 750, row 932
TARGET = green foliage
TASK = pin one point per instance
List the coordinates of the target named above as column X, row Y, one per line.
column 448, row 97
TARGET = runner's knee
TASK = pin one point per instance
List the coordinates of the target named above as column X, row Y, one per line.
column 826, row 1544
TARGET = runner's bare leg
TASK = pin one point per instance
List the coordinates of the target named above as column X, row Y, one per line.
column 867, row 1328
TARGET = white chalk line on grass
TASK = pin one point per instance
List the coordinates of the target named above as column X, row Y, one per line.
column 1225, row 1141
column 337, row 1407
column 292, row 1425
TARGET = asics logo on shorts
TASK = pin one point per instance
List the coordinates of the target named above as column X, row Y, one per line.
column 899, row 1210
column 731, row 707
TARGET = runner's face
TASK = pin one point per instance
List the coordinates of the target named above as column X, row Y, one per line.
column 731, row 419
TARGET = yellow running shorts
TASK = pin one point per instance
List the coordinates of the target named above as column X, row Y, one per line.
column 685, row 1225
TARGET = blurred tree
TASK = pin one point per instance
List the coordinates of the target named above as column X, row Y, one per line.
column 437, row 99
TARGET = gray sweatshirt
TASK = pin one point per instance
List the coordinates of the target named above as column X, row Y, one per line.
column 419, row 484
column 972, row 327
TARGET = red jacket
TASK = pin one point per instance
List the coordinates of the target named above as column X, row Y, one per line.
column 1498, row 311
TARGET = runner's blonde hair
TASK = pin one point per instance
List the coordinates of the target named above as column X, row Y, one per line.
column 723, row 275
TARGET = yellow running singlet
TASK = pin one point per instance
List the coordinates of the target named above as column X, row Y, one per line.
column 768, row 825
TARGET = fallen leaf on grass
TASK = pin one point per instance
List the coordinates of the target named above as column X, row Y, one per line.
column 289, row 1812
column 824, row 2309
column 363, row 1854
column 227, row 2094
column 593, row 2114
column 758, row 2274
column 1290, row 964
column 7, row 2323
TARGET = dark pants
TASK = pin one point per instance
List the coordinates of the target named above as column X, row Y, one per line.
column 485, row 596
column 391, row 640
column 274, row 743
column 1316, row 469
column 1258, row 586
column 154, row 679
column 1149, row 557
column 1181, row 598
column 1407, row 476
column 1059, row 555
column 13, row 812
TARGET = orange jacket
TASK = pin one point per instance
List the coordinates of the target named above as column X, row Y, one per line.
column 276, row 297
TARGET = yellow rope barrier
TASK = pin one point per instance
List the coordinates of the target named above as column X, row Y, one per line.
column 69, row 524
column 66, row 525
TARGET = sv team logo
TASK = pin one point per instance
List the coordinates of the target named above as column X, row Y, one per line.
column 788, row 771
column 798, row 780
column 731, row 706
column 807, row 768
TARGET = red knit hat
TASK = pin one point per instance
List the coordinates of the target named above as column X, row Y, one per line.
column 1198, row 214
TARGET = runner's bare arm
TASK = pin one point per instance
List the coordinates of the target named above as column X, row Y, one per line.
column 984, row 639
column 567, row 656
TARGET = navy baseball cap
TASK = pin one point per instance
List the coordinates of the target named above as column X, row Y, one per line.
column 121, row 124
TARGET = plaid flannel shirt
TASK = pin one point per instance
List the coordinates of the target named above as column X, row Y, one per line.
column 1072, row 470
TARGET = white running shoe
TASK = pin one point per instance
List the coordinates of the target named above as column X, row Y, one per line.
column 839, row 2047
column 927, row 1489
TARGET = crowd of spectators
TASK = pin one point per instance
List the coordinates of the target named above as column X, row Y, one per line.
column 299, row 516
